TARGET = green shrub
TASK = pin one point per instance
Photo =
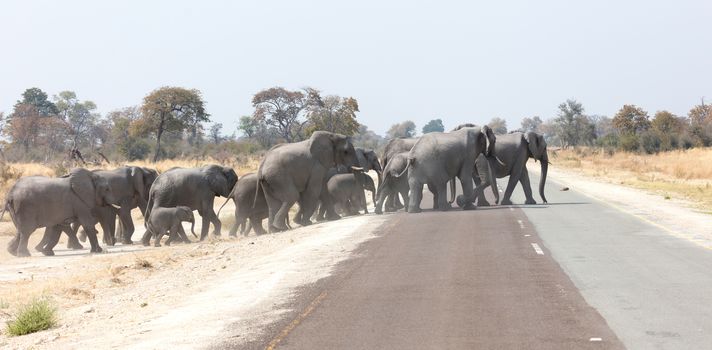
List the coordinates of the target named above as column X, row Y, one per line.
column 629, row 142
column 35, row 316
column 650, row 142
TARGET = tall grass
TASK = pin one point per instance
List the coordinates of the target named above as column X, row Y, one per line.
column 686, row 174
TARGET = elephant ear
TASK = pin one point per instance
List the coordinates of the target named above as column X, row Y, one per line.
column 536, row 144
column 82, row 184
column 361, row 157
column 321, row 146
column 216, row 180
column 137, row 179
column 491, row 139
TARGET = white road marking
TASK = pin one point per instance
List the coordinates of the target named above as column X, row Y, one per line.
column 511, row 209
column 527, row 235
column 521, row 224
column 595, row 339
column 537, row 249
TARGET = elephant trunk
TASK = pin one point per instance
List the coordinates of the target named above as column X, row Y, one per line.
column 379, row 173
column 493, row 177
column 542, row 180
column 452, row 190
column 373, row 196
column 192, row 227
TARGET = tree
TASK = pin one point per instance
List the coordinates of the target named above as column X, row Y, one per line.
column 531, row 124
column 405, row 129
column 631, row 119
column 39, row 99
column 215, row 131
column 665, row 122
column 333, row 113
column 248, row 126
column 80, row 115
column 283, row 110
column 700, row 114
column 435, row 125
column 367, row 138
column 170, row 109
column 498, row 125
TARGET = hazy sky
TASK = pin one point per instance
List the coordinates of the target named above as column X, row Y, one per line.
column 460, row 61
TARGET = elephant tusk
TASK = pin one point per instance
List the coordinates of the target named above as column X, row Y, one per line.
column 115, row 206
column 357, row 168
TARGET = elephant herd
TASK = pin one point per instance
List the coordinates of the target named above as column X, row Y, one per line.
column 325, row 175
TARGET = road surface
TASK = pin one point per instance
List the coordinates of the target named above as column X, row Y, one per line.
column 572, row 274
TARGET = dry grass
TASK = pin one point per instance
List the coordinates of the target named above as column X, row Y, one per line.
column 680, row 174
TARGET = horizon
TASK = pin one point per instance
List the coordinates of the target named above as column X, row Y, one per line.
column 457, row 62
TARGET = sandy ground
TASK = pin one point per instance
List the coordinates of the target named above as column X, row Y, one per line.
column 114, row 300
column 678, row 217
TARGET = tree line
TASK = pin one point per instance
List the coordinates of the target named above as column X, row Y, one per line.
column 172, row 122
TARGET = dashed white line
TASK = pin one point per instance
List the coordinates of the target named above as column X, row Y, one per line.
column 527, row 235
column 595, row 339
column 521, row 224
column 537, row 249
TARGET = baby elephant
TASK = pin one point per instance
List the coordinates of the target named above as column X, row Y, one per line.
column 168, row 221
column 347, row 191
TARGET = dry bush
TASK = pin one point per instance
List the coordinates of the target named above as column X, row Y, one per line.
column 686, row 173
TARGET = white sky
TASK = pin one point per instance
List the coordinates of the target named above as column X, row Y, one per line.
column 419, row 60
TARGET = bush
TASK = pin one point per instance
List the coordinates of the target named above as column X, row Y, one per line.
column 650, row 142
column 629, row 142
column 36, row 316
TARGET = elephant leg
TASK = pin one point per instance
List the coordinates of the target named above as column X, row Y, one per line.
column 526, row 186
column 397, row 203
column 14, row 244
column 256, row 223
column 108, row 226
column 127, row 225
column 383, row 193
column 442, row 203
column 22, row 244
column 51, row 239
column 146, row 239
column 416, row 195
column 434, row 190
column 182, row 235
column 514, row 176
column 468, row 192
column 72, row 241
column 40, row 247
column 480, row 192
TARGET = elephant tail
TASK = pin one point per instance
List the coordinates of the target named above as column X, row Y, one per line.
column 10, row 208
column 232, row 192
column 149, row 206
column 410, row 162
column 452, row 190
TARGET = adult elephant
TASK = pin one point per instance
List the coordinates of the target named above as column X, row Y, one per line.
column 38, row 201
column 195, row 188
column 295, row 172
column 438, row 157
column 368, row 160
column 491, row 159
column 130, row 185
column 514, row 150
column 248, row 205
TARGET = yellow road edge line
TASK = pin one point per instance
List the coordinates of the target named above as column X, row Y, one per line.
column 290, row 327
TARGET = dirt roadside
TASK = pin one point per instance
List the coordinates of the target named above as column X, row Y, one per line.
column 174, row 297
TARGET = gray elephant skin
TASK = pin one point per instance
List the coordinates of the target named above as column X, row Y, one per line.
column 169, row 221
column 195, row 188
column 348, row 191
column 248, row 206
column 392, row 149
column 393, row 184
column 368, row 160
column 484, row 176
column 438, row 157
column 130, row 185
column 295, row 172
column 514, row 150
column 38, row 201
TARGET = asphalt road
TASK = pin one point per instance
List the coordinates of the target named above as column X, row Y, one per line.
column 573, row 274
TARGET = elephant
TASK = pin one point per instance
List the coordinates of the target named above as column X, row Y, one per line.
column 438, row 157
column 38, row 201
column 514, row 150
column 393, row 148
column 393, row 184
column 368, row 160
column 130, row 185
column 492, row 160
column 348, row 191
column 169, row 220
column 195, row 188
column 248, row 205
column 295, row 172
